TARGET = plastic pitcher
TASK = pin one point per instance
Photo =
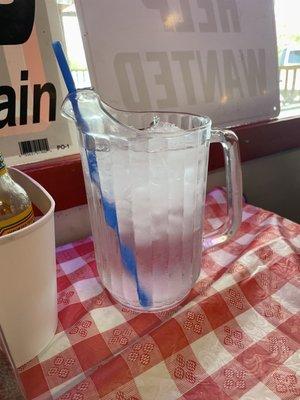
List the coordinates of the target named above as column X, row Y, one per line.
column 145, row 175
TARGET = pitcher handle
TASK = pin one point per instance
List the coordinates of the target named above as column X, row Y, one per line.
column 229, row 142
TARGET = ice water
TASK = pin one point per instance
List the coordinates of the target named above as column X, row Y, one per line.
column 156, row 185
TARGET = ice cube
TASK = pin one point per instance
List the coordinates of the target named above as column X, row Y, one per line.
column 164, row 127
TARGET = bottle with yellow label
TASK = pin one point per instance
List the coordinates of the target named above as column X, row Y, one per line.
column 15, row 206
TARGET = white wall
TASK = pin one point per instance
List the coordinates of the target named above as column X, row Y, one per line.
column 270, row 182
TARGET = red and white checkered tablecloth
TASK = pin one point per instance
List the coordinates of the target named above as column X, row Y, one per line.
column 236, row 337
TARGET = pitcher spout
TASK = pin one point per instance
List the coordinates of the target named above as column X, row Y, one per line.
column 82, row 106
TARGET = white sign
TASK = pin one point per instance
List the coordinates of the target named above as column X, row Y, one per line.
column 31, row 88
column 213, row 57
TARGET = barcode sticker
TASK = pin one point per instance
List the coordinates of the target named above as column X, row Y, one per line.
column 34, row 146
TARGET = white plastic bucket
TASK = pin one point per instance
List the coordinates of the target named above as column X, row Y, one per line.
column 28, row 292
